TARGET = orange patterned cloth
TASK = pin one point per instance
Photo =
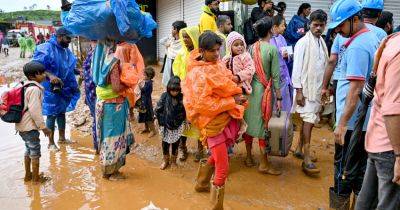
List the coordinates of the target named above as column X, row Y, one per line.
column 132, row 67
column 209, row 93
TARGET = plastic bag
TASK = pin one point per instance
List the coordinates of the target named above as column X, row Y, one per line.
column 115, row 19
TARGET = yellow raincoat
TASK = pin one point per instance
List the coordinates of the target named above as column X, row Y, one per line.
column 208, row 20
column 180, row 62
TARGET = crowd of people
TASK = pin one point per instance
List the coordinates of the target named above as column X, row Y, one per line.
column 222, row 86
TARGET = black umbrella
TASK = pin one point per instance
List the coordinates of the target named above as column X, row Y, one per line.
column 353, row 157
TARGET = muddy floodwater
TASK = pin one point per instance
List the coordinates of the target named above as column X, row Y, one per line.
column 76, row 181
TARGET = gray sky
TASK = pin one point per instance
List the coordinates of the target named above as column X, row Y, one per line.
column 18, row 5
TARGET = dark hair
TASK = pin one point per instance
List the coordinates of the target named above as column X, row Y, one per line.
column 208, row 40
column 385, row 18
column 282, row 5
column 174, row 84
column 319, row 15
column 178, row 25
column 277, row 20
column 150, row 73
column 33, row 68
column 263, row 26
column 259, row 2
column 371, row 13
column 302, row 7
column 208, row 2
column 222, row 20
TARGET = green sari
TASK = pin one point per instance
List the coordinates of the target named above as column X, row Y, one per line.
column 253, row 114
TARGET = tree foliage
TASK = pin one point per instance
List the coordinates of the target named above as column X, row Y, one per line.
column 31, row 15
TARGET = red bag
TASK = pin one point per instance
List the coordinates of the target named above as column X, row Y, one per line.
column 12, row 104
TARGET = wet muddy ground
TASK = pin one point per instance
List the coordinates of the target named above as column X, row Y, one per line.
column 76, row 181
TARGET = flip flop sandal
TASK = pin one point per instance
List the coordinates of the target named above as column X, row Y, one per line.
column 310, row 169
column 300, row 155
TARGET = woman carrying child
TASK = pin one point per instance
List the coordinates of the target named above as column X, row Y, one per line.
column 266, row 79
column 171, row 118
column 213, row 103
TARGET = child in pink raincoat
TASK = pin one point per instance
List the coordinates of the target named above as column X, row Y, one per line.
column 239, row 61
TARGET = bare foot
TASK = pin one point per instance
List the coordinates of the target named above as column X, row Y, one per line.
column 65, row 141
column 28, row 178
column 152, row 134
column 53, row 148
column 42, row 179
column 117, row 176
column 144, row 131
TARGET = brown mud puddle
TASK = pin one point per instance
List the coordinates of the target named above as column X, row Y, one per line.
column 76, row 181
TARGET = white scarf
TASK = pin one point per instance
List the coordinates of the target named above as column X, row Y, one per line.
column 309, row 76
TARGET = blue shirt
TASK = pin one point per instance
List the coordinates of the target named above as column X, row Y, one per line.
column 356, row 64
column 380, row 33
column 336, row 47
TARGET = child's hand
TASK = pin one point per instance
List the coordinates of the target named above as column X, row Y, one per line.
column 46, row 132
column 240, row 99
column 236, row 79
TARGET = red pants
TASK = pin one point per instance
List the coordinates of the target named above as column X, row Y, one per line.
column 219, row 159
column 249, row 140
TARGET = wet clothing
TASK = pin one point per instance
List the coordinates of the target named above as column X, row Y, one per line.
column 114, row 132
column 30, row 44
column 253, row 114
column 179, row 66
column 208, row 20
column 90, row 93
column 32, row 143
column 146, row 102
column 296, row 29
column 52, row 119
column 60, row 62
column 285, row 83
column 22, row 44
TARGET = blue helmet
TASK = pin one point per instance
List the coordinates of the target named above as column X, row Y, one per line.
column 372, row 4
column 343, row 10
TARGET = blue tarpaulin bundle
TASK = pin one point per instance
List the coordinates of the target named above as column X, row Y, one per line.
column 115, row 19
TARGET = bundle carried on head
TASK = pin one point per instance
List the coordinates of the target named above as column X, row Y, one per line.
column 120, row 20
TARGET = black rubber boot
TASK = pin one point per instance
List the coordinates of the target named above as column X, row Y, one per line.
column 338, row 202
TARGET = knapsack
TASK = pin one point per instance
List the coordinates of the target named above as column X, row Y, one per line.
column 13, row 102
column 249, row 32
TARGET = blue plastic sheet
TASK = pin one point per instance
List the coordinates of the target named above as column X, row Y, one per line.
column 115, row 19
column 61, row 63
